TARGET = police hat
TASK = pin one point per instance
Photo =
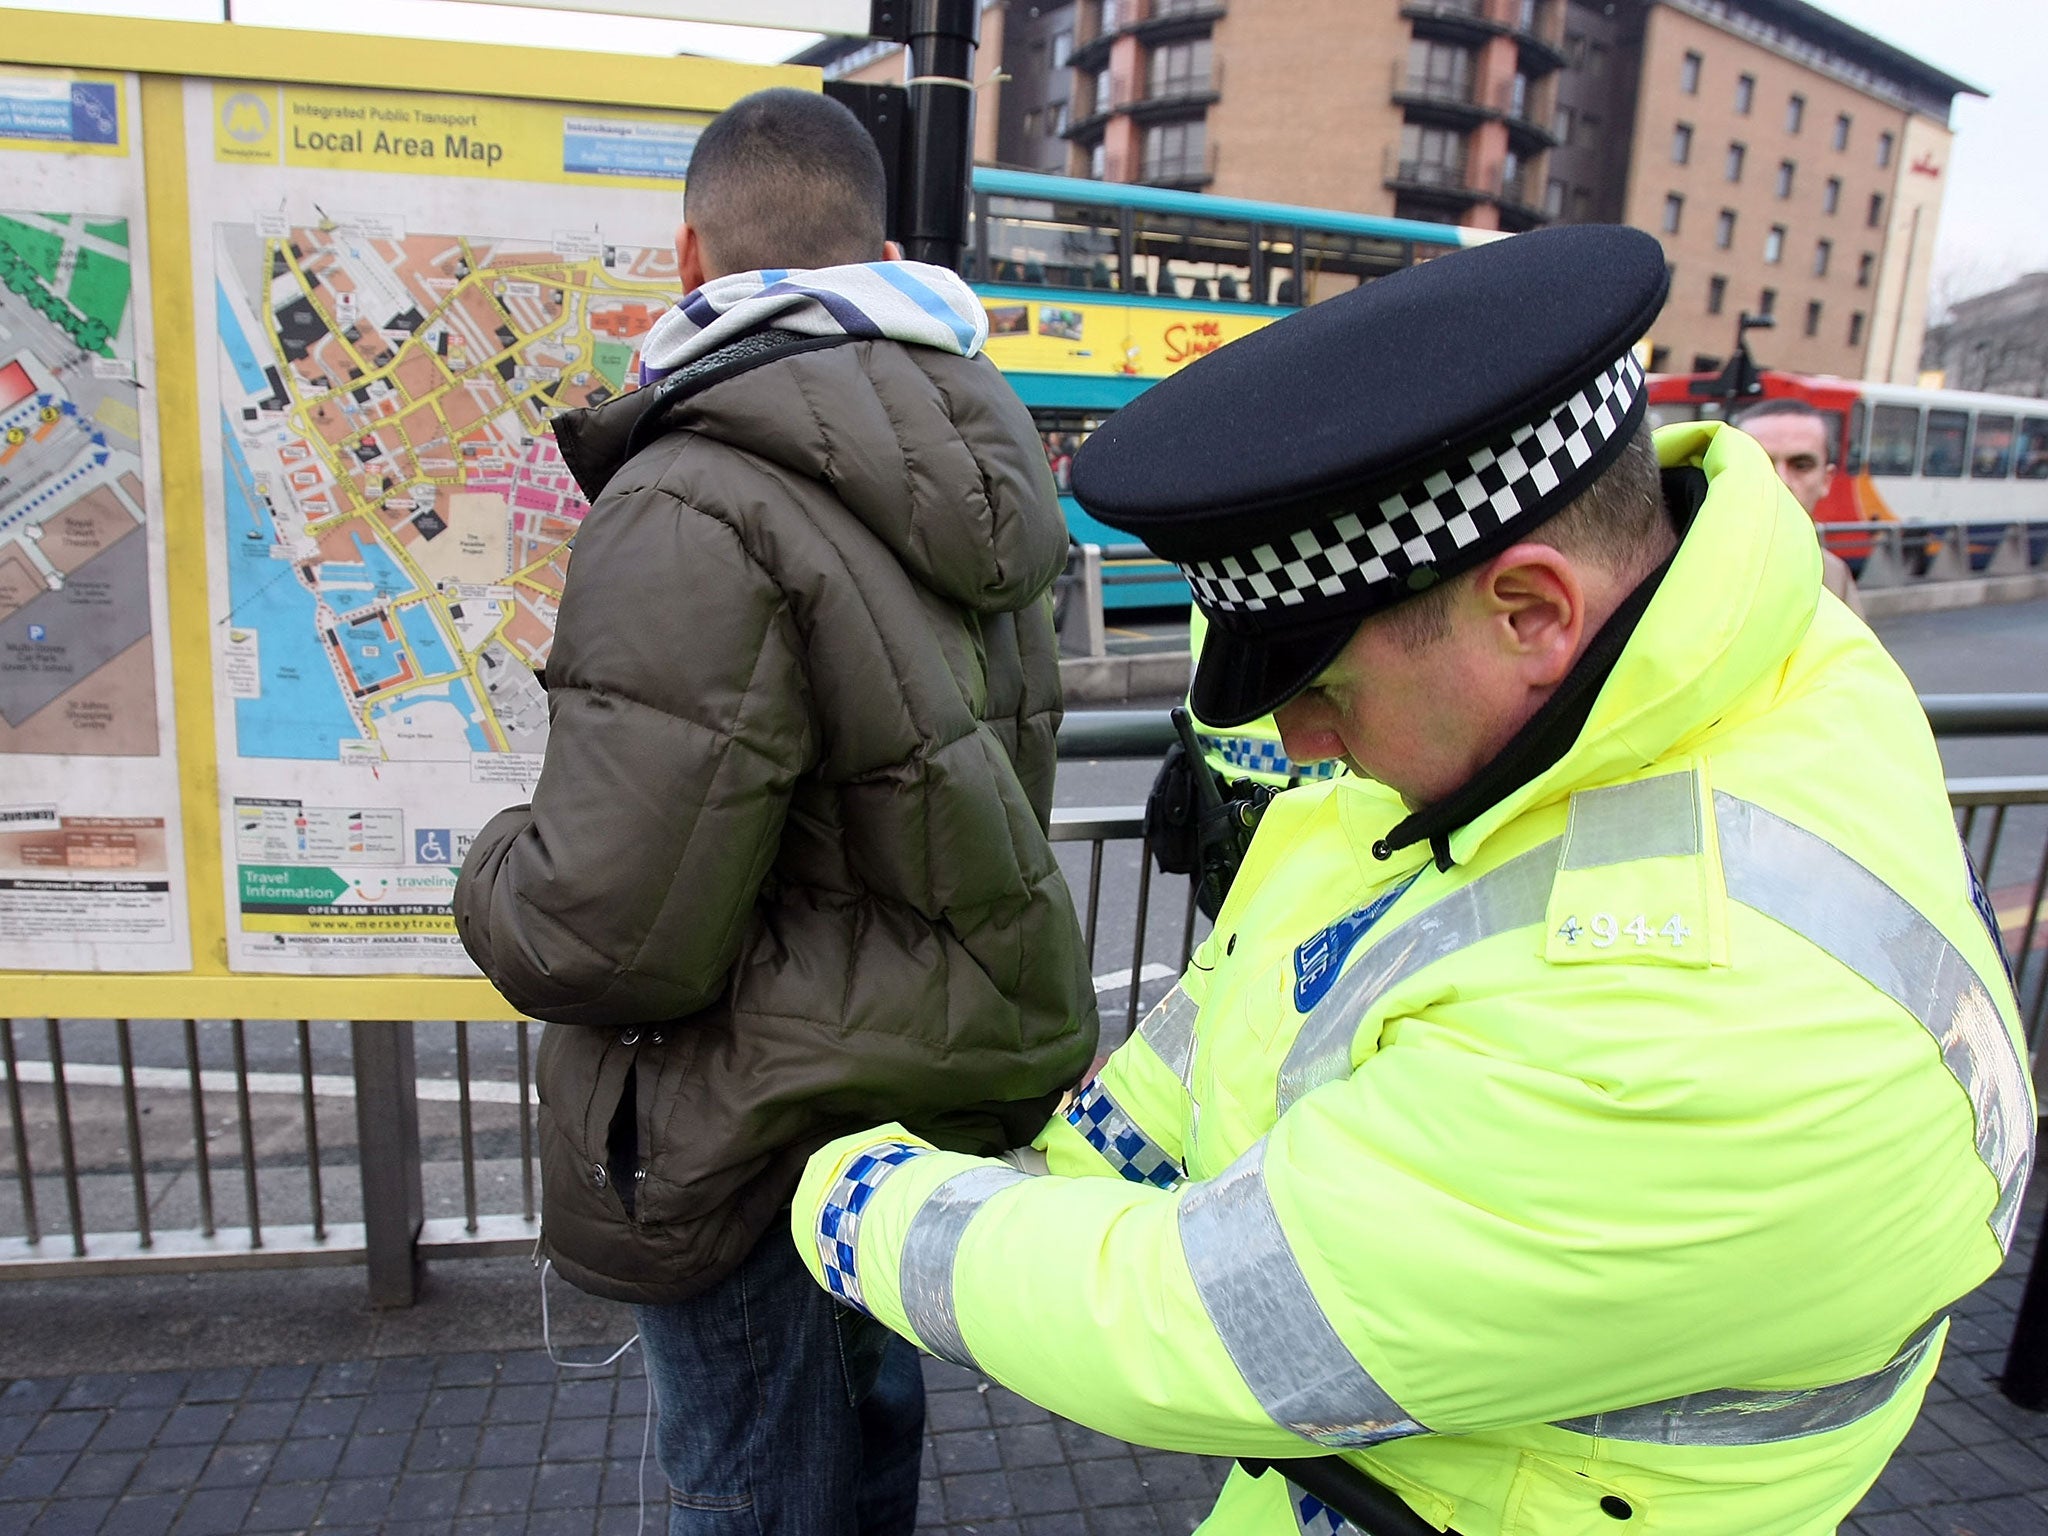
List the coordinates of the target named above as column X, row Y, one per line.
column 1366, row 448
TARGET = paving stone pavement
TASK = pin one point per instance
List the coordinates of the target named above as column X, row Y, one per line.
column 504, row 1442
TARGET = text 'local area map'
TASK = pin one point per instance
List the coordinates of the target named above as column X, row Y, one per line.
column 398, row 516
column 77, row 673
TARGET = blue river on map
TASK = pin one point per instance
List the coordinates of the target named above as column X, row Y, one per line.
column 423, row 634
column 301, row 713
column 231, row 337
column 380, row 581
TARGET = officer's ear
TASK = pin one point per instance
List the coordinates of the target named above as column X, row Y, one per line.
column 1532, row 603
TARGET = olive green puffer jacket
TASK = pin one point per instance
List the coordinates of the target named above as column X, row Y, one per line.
column 786, row 870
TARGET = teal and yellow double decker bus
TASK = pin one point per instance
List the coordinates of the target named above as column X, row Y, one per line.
column 1096, row 290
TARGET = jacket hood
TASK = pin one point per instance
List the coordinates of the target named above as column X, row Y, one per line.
column 932, row 452
column 1738, row 598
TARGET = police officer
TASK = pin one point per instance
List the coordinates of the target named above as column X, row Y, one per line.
column 1583, row 1115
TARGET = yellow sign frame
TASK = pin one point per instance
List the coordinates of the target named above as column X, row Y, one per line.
column 163, row 53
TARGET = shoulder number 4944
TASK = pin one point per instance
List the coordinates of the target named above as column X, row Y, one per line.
column 1605, row 929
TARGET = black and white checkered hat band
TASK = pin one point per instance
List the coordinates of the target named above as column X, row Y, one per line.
column 1429, row 523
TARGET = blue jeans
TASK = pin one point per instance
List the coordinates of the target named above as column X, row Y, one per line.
column 782, row 1413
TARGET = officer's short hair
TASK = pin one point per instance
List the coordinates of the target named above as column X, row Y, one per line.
column 786, row 178
column 1791, row 408
column 1619, row 523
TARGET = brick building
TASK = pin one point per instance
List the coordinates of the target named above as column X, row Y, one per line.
column 1792, row 164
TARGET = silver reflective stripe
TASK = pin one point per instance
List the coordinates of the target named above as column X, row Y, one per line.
column 1650, row 819
column 925, row 1275
column 1170, row 1030
column 1269, row 1320
column 1513, row 896
column 1737, row 1417
column 1806, row 883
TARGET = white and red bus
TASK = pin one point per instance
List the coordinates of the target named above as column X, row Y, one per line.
column 1904, row 454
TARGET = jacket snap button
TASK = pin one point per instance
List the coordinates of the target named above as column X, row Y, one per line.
column 630, row 1037
column 657, row 1040
column 598, row 1175
column 1230, row 945
column 1619, row 1509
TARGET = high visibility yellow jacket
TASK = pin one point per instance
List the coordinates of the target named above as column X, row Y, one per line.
column 1252, row 751
column 1623, row 1172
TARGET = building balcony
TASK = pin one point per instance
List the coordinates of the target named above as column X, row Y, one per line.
column 1537, row 26
column 1460, row 102
column 1442, row 181
column 1187, row 172
column 1154, row 20
column 1174, row 93
column 1519, row 196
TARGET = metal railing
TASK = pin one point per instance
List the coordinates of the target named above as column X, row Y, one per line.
column 1900, row 554
column 158, row 1145
column 184, row 1144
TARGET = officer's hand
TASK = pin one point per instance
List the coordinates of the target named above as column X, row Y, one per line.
column 828, row 1165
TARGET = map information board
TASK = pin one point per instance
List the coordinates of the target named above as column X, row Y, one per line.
column 88, row 811
column 404, row 289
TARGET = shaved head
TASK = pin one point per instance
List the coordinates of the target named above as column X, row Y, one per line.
column 785, row 178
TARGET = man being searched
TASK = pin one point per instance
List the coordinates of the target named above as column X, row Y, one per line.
column 1802, row 450
column 786, row 870
column 1582, row 1117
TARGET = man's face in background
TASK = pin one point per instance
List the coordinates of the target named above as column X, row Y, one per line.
column 1798, row 447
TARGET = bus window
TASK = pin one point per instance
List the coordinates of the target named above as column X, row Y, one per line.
column 1942, row 458
column 1058, row 245
column 2030, row 460
column 1852, row 454
column 1188, row 258
column 1991, row 453
column 1063, row 433
column 1336, row 263
column 1278, row 249
column 1894, row 439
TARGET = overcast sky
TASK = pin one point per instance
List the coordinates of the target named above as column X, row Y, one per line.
column 1994, row 213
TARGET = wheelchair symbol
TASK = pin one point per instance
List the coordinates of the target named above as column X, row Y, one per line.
column 431, row 845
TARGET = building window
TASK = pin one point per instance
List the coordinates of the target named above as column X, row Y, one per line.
column 1705, row 362
column 1876, row 209
column 1056, row 120
column 1813, row 318
column 1774, row 245
column 1438, row 70
column 1031, row 124
column 1767, row 302
column 1553, row 198
column 1724, row 229
column 1175, row 151
column 1831, row 195
column 1786, row 171
column 1735, row 157
column 1842, row 131
column 1575, row 50
column 1864, row 264
column 1435, row 157
column 1062, row 49
column 1098, row 161
column 1674, row 206
column 1717, row 294
column 1823, row 253
column 1561, row 123
column 1681, row 144
column 1856, row 329
column 1689, row 75
column 1099, row 91
column 1596, row 60
column 1884, row 150
column 1589, row 131
column 1745, row 93
column 1795, row 114
column 1182, row 69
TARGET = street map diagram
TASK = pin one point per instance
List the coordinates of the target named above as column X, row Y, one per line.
column 398, row 517
column 77, row 672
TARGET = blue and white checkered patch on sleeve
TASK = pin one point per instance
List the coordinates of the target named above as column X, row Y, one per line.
column 838, row 1228
column 1110, row 1131
column 1312, row 1517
